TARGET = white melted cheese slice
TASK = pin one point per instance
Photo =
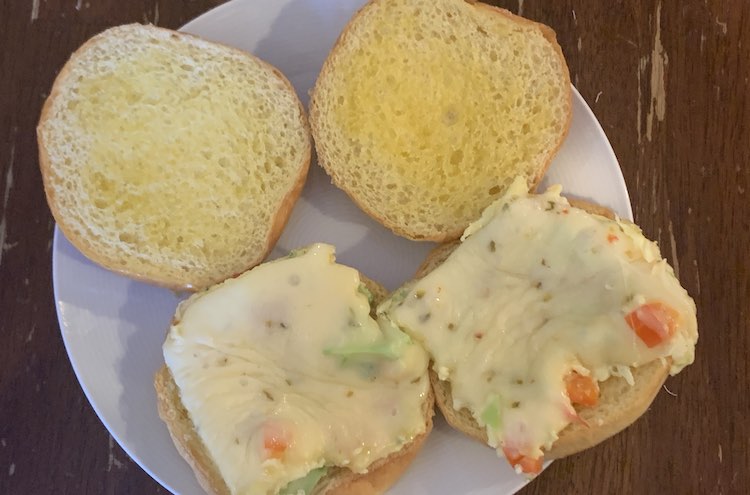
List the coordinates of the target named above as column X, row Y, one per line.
column 536, row 290
column 257, row 354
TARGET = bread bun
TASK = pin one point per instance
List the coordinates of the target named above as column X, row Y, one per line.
column 425, row 111
column 169, row 158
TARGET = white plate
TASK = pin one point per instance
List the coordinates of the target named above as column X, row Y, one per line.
column 113, row 327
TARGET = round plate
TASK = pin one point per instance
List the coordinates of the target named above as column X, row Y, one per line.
column 113, row 327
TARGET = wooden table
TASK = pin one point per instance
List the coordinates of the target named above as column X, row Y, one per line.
column 669, row 83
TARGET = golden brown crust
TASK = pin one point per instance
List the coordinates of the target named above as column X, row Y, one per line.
column 461, row 420
column 339, row 481
column 590, row 207
column 135, row 269
column 184, row 436
column 620, row 404
column 324, row 156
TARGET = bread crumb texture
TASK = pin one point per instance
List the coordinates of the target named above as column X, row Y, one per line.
column 428, row 110
column 171, row 152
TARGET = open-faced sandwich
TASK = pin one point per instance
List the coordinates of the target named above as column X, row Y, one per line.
column 279, row 381
column 550, row 328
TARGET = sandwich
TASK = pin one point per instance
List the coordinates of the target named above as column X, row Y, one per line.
column 549, row 328
column 279, row 381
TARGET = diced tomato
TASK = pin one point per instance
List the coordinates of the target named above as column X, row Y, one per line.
column 581, row 389
column 528, row 465
column 611, row 238
column 531, row 466
column 653, row 322
column 572, row 415
column 275, row 440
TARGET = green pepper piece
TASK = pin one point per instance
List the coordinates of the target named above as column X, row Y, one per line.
column 304, row 484
column 491, row 412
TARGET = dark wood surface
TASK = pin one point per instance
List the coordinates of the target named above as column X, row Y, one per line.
column 668, row 80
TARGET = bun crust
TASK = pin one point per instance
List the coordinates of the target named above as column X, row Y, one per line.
column 185, row 438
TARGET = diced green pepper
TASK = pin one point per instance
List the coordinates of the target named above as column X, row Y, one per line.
column 377, row 349
column 305, row 484
column 491, row 412
column 391, row 346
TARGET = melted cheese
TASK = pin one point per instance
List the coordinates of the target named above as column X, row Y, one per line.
column 284, row 348
column 538, row 289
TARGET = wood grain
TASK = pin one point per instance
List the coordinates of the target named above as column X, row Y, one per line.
column 669, row 82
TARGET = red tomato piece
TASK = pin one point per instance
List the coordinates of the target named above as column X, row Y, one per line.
column 581, row 389
column 653, row 322
column 275, row 440
column 527, row 464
